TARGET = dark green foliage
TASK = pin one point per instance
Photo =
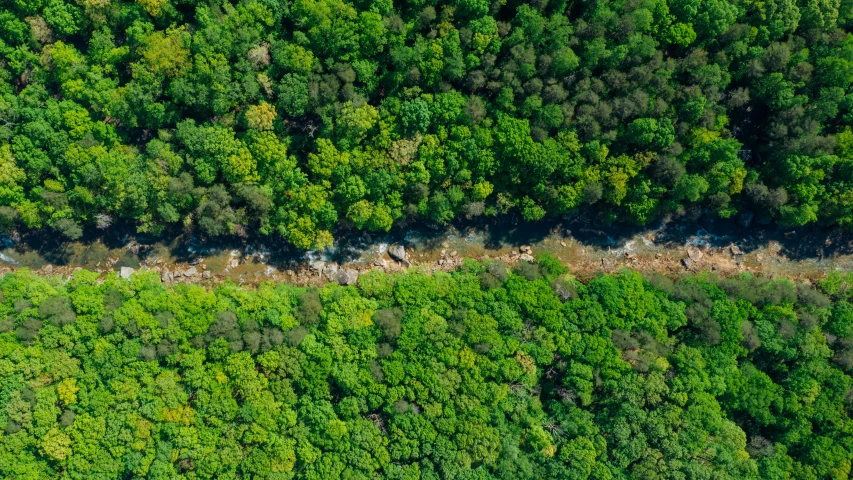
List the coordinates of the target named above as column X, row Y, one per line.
column 285, row 120
column 535, row 375
column 295, row 336
column 489, row 281
column 67, row 418
column 760, row 291
column 69, row 228
column 147, row 353
column 106, row 324
column 528, row 270
column 751, row 339
column 225, row 326
column 8, row 218
column 21, row 304
column 499, row 269
column 113, row 299
column 389, row 321
column 28, row 330
column 57, row 310
column 308, row 306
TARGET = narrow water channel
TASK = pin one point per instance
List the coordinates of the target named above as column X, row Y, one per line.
column 668, row 247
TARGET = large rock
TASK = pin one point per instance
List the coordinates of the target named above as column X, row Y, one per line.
column 694, row 253
column 398, row 252
column 317, row 265
column 190, row 272
column 346, row 276
column 125, row 272
column 166, row 275
column 330, row 271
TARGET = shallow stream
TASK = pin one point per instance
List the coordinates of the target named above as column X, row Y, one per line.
column 668, row 247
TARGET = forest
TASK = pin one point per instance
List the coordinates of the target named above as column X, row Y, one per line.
column 300, row 121
column 485, row 372
column 298, row 118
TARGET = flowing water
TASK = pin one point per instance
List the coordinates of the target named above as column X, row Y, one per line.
column 669, row 247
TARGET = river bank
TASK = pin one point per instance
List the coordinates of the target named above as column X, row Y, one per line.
column 670, row 248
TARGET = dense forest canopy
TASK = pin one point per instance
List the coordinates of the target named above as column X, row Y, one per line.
column 290, row 118
column 481, row 373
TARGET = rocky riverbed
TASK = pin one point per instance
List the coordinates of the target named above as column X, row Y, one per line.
column 669, row 248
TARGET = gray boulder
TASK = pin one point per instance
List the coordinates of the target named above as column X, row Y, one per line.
column 694, row 253
column 346, row 276
column 330, row 270
column 125, row 272
column 398, row 252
